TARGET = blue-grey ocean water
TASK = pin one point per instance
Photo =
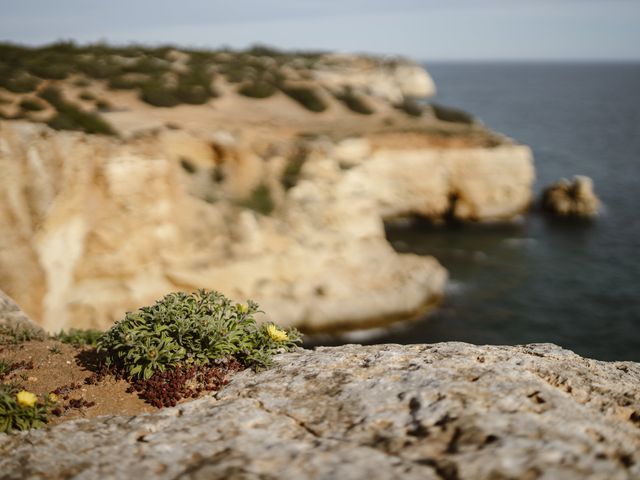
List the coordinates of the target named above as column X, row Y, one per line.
column 572, row 283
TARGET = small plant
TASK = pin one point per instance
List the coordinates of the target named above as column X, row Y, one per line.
column 103, row 105
column 19, row 82
column 70, row 117
column 257, row 89
column 411, row 107
column 187, row 166
column 156, row 93
column 306, row 96
column 19, row 333
column 22, row 410
column 55, row 349
column 5, row 367
column 81, row 83
column 450, row 114
column 355, row 102
column 260, row 200
column 182, row 329
column 292, row 172
column 123, row 82
column 31, row 104
column 78, row 337
column 87, row 96
column 194, row 87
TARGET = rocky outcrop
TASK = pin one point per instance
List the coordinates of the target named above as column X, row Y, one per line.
column 392, row 80
column 443, row 411
column 102, row 226
column 93, row 227
column 12, row 316
column 470, row 184
column 571, row 199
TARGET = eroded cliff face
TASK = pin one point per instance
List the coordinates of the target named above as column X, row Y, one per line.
column 93, row 227
column 442, row 411
column 392, row 80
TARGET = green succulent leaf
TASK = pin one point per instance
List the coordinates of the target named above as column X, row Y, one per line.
column 197, row 328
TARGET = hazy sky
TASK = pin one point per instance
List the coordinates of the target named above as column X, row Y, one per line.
column 423, row 29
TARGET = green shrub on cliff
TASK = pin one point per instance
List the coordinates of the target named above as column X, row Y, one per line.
column 355, row 101
column 31, row 104
column 78, row 337
column 18, row 81
column 158, row 94
column 195, row 329
column 410, row 107
column 70, row 117
column 257, row 89
column 450, row 114
column 260, row 200
column 307, row 96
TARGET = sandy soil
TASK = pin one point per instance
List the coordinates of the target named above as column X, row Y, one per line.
column 43, row 367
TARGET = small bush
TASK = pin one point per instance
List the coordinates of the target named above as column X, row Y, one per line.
column 449, row 114
column 87, row 96
column 20, row 333
column 98, row 67
column 148, row 65
column 187, row 166
column 103, row 105
column 52, row 95
column 19, row 82
column 260, row 200
column 355, row 102
column 81, row 83
column 202, row 328
column 257, row 89
column 410, row 107
column 49, row 66
column 156, row 93
column 123, row 82
column 78, row 337
column 31, row 104
column 194, row 87
column 294, row 167
column 70, row 117
column 306, row 96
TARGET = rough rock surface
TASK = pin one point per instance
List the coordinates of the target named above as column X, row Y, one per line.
column 11, row 315
column 392, row 80
column 576, row 198
column 443, row 411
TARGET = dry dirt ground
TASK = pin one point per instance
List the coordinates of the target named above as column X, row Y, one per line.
column 50, row 366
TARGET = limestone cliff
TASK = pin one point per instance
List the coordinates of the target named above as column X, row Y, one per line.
column 392, row 80
column 443, row 411
column 94, row 226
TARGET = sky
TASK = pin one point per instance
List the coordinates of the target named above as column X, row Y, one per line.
column 421, row 29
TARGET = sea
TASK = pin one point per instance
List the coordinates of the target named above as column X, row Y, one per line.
column 572, row 283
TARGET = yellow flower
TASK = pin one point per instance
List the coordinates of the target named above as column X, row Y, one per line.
column 243, row 308
column 276, row 334
column 26, row 399
column 53, row 397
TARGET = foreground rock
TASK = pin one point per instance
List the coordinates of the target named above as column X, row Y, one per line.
column 576, row 198
column 12, row 316
column 444, row 411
